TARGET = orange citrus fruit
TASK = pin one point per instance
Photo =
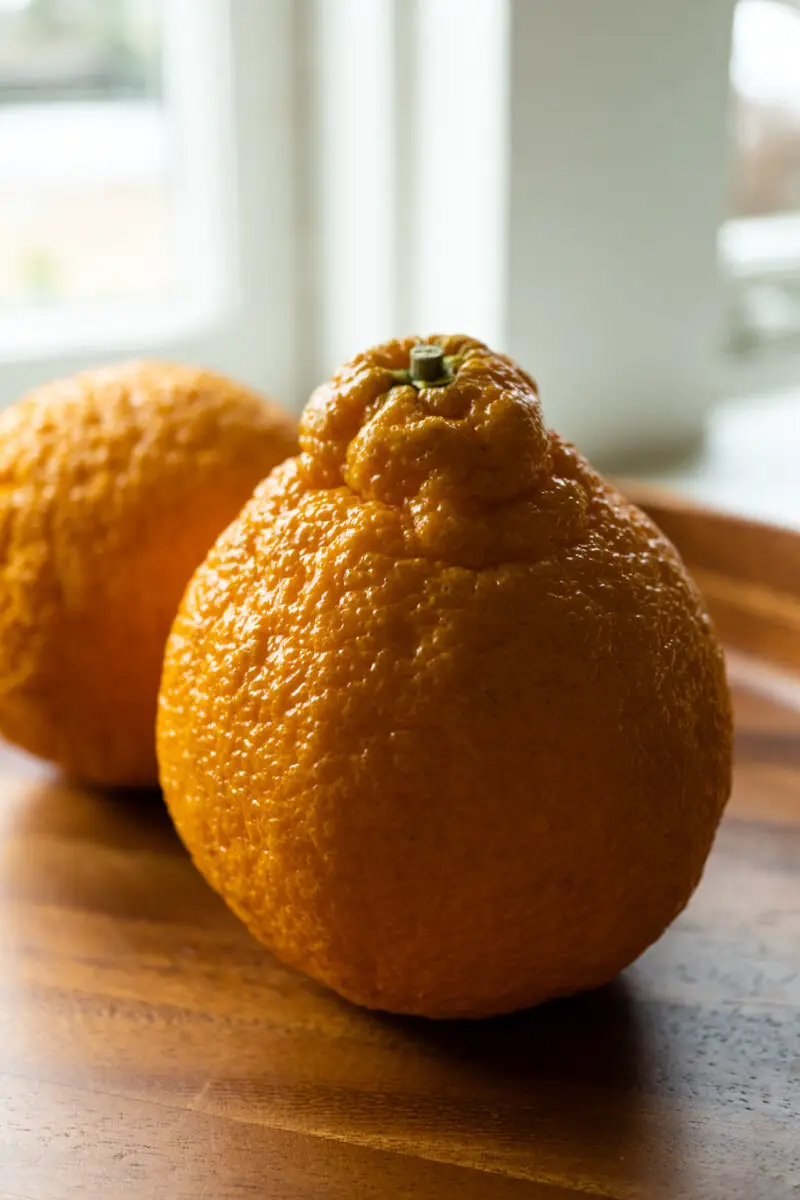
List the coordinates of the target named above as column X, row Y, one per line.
column 442, row 717
column 113, row 485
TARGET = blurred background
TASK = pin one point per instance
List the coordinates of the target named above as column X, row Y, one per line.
column 608, row 190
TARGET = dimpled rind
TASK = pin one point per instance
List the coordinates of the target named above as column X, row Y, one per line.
column 113, row 485
column 443, row 718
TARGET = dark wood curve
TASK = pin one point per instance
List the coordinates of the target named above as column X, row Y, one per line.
column 749, row 573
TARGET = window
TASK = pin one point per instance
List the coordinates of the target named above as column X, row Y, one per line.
column 761, row 241
column 147, row 162
column 84, row 154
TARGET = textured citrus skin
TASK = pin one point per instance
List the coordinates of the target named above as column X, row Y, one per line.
column 113, row 485
column 442, row 716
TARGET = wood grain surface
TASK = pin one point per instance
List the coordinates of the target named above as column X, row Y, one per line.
column 150, row 1048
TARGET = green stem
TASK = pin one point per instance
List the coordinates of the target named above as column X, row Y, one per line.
column 428, row 367
column 427, row 364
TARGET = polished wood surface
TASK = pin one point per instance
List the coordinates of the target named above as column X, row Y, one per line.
column 149, row 1047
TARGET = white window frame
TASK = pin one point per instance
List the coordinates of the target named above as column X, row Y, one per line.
column 392, row 124
column 237, row 222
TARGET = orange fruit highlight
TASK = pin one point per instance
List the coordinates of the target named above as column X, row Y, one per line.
column 113, row 485
column 443, row 718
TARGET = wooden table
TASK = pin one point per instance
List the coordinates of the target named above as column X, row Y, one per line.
column 149, row 1048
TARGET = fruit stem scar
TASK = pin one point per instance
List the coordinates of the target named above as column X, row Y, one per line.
column 427, row 364
column 428, row 367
